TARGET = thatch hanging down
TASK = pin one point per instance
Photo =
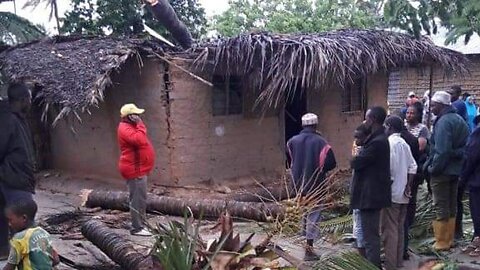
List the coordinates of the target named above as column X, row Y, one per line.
column 278, row 65
column 117, row 248
column 209, row 208
column 70, row 74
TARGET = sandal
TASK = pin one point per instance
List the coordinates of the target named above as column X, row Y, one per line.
column 475, row 253
column 474, row 245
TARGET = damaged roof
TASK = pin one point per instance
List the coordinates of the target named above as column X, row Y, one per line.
column 277, row 64
column 70, row 74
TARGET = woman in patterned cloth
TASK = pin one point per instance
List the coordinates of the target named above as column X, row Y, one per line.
column 414, row 125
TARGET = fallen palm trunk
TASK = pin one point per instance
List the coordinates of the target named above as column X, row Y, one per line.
column 208, row 208
column 115, row 246
column 272, row 194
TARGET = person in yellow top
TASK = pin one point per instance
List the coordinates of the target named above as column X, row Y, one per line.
column 30, row 247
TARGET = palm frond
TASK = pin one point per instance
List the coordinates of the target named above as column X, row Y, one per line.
column 15, row 29
column 345, row 261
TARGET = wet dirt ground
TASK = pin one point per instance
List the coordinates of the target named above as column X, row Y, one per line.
column 59, row 193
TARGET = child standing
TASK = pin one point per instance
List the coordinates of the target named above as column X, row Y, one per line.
column 31, row 247
column 360, row 136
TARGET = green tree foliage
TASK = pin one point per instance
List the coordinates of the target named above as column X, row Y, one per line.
column 15, row 29
column 126, row 17
column 460, row 17
column 296, row 16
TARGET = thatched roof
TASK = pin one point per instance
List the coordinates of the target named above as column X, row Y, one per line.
column 71, row 73
column 276, row 64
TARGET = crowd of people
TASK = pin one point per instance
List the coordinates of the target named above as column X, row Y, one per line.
column 433, row 140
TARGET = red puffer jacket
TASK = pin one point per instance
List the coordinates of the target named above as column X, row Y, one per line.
column 137, row 154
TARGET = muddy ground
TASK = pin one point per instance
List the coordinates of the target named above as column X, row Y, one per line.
column 59, row 194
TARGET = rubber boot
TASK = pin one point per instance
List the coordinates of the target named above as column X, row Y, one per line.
column 451, row 231
column 441, row 232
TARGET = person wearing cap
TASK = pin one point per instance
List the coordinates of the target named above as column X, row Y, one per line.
column 371, row 184
column 403, row 168
column 450, row 133
column 137, row 159
column 470, row 177
column 312, row 157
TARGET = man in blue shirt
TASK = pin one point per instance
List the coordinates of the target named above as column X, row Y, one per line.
column 455, row 92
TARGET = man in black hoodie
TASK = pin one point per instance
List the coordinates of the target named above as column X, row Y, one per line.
column 16, row 155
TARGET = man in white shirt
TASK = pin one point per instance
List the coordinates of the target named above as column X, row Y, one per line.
column 402, row 170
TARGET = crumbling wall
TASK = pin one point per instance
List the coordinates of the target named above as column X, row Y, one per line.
column 93, row 148
column 218, row 148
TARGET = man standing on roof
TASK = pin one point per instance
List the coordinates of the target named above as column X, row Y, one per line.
column 136, row 162
column 17, row 156
column 312, row 157
column 448, row 140
column 371, row 184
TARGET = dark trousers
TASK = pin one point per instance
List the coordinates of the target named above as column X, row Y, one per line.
column 459, row 217
column 7, row 197
column 138, row 202
column 411, row 209
column 370, row 222
column 474, row 194
column 444, row 192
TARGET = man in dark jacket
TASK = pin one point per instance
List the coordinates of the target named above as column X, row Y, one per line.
column 470, row 176
column 312, row 157
column 461, row 108
column 16, row 155
column 371, row 185
column 450, row 133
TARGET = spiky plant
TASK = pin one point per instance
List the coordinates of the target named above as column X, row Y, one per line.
column 15, row 29
column 345, row 261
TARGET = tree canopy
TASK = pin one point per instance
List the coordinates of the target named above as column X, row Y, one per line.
column 15, row 29
column 289, row 16
column 460, row 17
column 126, row 17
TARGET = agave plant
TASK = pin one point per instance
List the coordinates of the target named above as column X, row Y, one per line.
column 15, row 29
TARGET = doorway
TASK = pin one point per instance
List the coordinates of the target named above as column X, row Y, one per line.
column 295, row 108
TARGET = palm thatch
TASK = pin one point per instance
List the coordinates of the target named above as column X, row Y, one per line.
column 278, row 64
column 71, row 73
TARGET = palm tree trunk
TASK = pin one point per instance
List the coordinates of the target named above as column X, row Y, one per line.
column 165, row 13
column 55, row 13
column 208, row 208
column 117, row 248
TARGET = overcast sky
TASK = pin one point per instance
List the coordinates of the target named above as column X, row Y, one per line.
column 40, row 16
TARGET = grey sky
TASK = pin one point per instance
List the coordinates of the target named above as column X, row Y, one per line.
column 40, row 16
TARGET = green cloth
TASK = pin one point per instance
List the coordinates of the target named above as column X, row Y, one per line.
column 448, row 140
column 444, row 193
column 31, row 249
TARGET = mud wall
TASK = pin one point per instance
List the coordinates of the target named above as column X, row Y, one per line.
column 92, row 147
column 337, row 126
column 218, row 148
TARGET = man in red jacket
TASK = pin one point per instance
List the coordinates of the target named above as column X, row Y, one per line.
column 136, row 162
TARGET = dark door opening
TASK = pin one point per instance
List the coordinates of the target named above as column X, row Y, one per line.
column 295, row 107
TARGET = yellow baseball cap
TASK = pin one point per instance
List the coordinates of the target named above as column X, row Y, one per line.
column 129, row 109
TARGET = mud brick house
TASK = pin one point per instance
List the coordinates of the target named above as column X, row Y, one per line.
column 422, row 79
column 233, row 127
